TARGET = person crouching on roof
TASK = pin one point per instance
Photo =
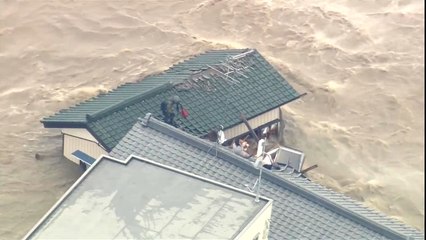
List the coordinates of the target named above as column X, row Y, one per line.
column 240, row 147
column 170, row 108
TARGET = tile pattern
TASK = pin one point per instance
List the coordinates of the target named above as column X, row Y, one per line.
column 212, row 98
column 305, row 211
column 77, row 114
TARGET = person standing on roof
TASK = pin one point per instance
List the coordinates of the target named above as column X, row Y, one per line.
column 265, row 158
column 170, row 108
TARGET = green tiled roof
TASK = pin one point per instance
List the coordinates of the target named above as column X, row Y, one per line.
column 76, row 116
column 211, row 97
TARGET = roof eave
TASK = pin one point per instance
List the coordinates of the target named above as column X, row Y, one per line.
column 63, row 124
column 267, row 110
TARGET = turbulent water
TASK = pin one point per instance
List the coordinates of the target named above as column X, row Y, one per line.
column 360, row 62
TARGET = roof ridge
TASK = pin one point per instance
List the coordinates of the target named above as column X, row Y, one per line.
column 82, row 118
column 129, row 101
column 373, row 224
column 170, row 71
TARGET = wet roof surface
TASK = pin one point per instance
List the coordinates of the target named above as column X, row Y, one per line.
column 141, row 200
column 302, row 209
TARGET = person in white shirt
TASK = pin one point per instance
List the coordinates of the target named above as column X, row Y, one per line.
column 264, row 159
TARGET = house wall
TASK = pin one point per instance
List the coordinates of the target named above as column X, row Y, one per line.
column 80, row 139
column 258, row 228
column 260, row 120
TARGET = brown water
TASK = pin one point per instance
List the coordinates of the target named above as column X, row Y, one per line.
column 361, row 63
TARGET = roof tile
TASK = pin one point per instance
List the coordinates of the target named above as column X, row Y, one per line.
column 112, row 114
column 294, row 216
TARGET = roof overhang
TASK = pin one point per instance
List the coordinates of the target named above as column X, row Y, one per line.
column 62, row 124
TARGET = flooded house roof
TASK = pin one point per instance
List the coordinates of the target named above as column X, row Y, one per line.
column 215, row 87
column 302, row 209
column 142, row 199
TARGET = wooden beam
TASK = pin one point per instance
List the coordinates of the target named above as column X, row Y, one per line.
column 243, row 118
column 309, row 168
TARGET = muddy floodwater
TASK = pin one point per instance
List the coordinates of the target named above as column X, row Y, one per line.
column 361, row 64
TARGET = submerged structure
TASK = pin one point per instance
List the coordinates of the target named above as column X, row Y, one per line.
column 218, row 88
column 176, row 170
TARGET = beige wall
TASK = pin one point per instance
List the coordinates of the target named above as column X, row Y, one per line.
column 80, row 139
column 259, row 225
column 241, row 128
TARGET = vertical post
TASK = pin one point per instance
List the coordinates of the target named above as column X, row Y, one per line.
column 63, row 144
column 260, row 172
column 281, row 127
column 258, row 185
column 243, row 118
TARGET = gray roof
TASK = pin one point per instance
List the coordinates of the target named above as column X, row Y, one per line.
column 302, row 209
column 139, row 199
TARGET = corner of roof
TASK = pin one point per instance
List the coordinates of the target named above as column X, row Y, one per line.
column 70, row 190
column 145, row 120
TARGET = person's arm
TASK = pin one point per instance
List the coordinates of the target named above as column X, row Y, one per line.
column 244, row 154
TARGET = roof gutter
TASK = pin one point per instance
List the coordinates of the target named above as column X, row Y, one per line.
column 62, row 124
